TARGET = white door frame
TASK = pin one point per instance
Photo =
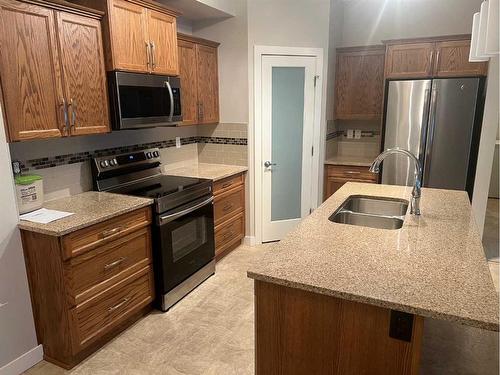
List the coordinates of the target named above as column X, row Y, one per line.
column 256, row 135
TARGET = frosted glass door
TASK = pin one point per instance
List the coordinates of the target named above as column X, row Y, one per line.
column 287, row 139
column 287, row 134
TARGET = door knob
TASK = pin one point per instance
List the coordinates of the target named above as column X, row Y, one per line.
column 267, row 164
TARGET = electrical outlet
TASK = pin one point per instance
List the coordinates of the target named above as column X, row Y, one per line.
column 178, row 142
column 357, row 134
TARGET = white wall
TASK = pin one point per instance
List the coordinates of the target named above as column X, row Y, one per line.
column 487, row 144
column 17, row 330
column 371, row 21
column 232, row 33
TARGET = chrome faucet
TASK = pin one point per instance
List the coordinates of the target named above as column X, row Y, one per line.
column 416, row 193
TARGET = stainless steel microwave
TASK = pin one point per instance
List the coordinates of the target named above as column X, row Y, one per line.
column 144, row 100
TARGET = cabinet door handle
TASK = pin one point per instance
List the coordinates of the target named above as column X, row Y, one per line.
column 226, row 184
column 65, row 115
column 110, row 232
column 153, row 52
column 117, row 306
column 352, row 172
column 148, row 54
column 72, row 104
column 117, row 262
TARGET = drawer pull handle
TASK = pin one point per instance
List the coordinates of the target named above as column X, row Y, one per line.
column 227, row 207
column 117, row 306
column 352, row 172
column 110, row 232
column 227, row 184
column 117, row 262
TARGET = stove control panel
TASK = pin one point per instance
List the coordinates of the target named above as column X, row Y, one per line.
column 116, row 162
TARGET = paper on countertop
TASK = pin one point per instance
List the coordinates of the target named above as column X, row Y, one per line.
column 44, row 216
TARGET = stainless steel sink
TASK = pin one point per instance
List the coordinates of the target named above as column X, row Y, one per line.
column 373, row 212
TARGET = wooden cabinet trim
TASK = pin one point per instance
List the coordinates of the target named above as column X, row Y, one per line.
column 65, row 6
column 196, row 40
column 427, row 39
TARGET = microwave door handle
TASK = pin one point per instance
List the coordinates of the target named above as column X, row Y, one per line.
column 171, row 116
column 168, row 218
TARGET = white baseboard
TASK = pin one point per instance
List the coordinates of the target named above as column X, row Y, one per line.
column 24, row 362
column 249, row 241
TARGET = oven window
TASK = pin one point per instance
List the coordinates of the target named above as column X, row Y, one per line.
column 140, row 101
column 188, row 237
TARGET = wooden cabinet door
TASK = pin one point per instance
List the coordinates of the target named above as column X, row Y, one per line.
column 189, row 82
column 162, row 30
column 412, row 60
column 452, row 60
column 129, row 36
column 82, row 62
column 208, row 84
column 332, row 184
column 30, row 72
column 359, row 85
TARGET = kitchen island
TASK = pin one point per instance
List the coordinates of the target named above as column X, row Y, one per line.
column 333, row 298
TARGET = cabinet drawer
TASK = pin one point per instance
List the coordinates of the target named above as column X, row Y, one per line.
column 229, row 203
column 228, row 183
column 99, row 234
column 99, row 315
column 351, row 172
column 229, row 232
column 99, row 269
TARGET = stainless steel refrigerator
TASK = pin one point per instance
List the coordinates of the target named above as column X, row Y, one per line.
column 439, row 121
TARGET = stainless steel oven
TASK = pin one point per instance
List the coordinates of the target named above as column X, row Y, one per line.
column 184, row 245
column 144, row 100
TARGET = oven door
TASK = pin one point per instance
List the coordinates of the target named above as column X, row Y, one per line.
column 145, row 100
column 184, row 243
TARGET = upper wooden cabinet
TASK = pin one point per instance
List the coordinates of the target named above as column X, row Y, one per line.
column 431, row 57
column 409, row 60
column 359, row 83
column 139, row 35
column 52, row 70
column 199, row 80
column 452, row 59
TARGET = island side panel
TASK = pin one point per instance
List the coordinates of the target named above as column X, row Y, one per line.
column 299, row 332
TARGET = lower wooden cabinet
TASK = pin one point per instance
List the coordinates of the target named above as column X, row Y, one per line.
column 229, row 213
column 80, row 302
column 337, row 175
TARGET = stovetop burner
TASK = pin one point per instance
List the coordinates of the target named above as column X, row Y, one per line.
column 160, row 186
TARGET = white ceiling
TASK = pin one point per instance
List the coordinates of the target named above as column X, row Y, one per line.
column 197, row 10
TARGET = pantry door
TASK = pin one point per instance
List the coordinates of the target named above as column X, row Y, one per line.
column 288, row 105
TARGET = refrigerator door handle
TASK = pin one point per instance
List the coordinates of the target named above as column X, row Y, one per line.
column 430, row 134
column 423, row 131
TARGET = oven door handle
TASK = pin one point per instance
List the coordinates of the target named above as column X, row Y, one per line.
column 171, row 93
column 168, row 218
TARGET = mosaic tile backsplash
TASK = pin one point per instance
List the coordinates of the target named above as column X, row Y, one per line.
column 65, row 159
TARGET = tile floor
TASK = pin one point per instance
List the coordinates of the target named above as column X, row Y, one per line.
column 211, row 332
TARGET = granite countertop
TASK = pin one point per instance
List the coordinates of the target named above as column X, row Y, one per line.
column 89, row 208
column 210, row 171
column 359, row 161
column 433, row 266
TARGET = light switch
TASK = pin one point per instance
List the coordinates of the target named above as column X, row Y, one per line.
column 357, row 134
column 350, row 133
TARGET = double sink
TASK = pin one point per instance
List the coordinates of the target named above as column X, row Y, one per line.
column 373, row 212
